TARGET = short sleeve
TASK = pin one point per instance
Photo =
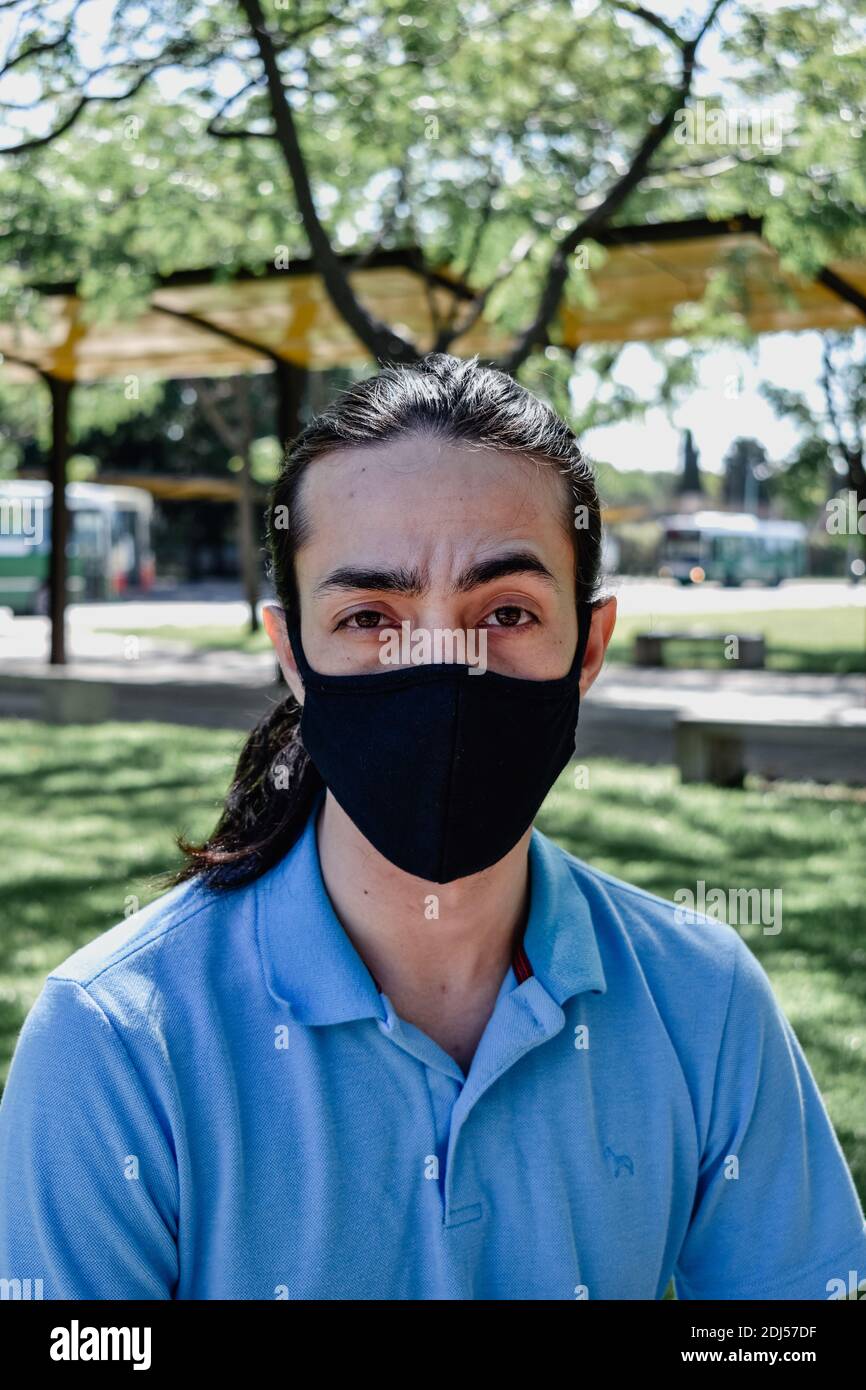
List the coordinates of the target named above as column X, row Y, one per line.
column 89, row 1182
column 776, row 1214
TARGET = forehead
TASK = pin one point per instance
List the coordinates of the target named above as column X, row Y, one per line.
column 416, row 497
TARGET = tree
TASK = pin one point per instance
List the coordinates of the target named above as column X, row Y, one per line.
column 492, row 138
column 690, row 479
column 832, row 422
column 746, row 474
column 227, row 406
column 498, row 138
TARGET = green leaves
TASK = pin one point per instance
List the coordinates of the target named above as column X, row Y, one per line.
column 459, row 129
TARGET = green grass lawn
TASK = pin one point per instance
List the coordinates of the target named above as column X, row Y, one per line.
column 89, row 812
column 797, row 639
column 218, row 639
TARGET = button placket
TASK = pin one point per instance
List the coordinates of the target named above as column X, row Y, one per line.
column 525, row 1018
column 443, row 1092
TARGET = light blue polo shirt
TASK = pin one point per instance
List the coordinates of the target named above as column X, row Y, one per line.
column 213, row 1100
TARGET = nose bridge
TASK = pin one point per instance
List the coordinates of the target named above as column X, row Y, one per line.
column 442, row 635
column 441, row 608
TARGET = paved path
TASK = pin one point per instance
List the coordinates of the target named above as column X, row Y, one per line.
column 630, row 713
column 763, row 695
column 101, row 655
column 655, row 597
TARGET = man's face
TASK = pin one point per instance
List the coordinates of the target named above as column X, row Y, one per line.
column 411, row 531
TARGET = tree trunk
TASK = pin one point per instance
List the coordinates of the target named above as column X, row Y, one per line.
column 247, row 538
column 60, row 393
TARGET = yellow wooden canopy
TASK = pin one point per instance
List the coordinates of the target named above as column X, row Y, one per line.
column 649, row 273
column 200, row 325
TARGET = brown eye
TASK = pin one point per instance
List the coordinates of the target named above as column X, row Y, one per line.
column 508, row 616
column 366, row 620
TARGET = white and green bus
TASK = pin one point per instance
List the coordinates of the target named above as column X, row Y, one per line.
column 731, row 548
column 108, row 551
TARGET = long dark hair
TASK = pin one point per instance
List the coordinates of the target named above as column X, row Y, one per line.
column 275, row 784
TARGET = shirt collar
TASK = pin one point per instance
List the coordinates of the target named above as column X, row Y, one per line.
column 313, row 969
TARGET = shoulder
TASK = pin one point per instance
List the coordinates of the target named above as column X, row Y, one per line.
column 690, row 987
column 152, row 973
column 694, row 967
column 120, row 1014
column 668, row 930
column 171, row 924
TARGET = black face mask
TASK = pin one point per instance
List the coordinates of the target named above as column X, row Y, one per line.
column 441, row 770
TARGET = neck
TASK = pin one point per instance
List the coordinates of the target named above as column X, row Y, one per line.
column 422, row 941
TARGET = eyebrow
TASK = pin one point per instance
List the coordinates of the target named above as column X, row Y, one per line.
column 412, row 582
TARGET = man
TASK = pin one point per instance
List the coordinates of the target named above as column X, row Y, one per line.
column 383, row 1039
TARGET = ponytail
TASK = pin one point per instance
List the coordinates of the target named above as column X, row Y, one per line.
column 267, row 806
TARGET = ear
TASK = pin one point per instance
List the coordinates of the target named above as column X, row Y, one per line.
column 274, row 619
column 600, row 633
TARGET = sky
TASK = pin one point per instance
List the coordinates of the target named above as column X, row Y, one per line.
column 726, row 407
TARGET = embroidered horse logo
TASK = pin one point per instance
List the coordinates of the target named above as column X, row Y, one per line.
column 619, row 1161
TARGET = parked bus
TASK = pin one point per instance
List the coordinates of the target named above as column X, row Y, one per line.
column 108, row 550
column 131, row 564
column 731, row 547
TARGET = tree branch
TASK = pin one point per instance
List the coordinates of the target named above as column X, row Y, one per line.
column 827, row 380
column 519, row 251
column 536, row 334
column 209, row 400
column 166, row 59
column 381, row 340
column 640, row 12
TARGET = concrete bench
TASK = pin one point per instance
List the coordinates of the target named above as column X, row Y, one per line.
column 751, row 649
column 716, row 750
